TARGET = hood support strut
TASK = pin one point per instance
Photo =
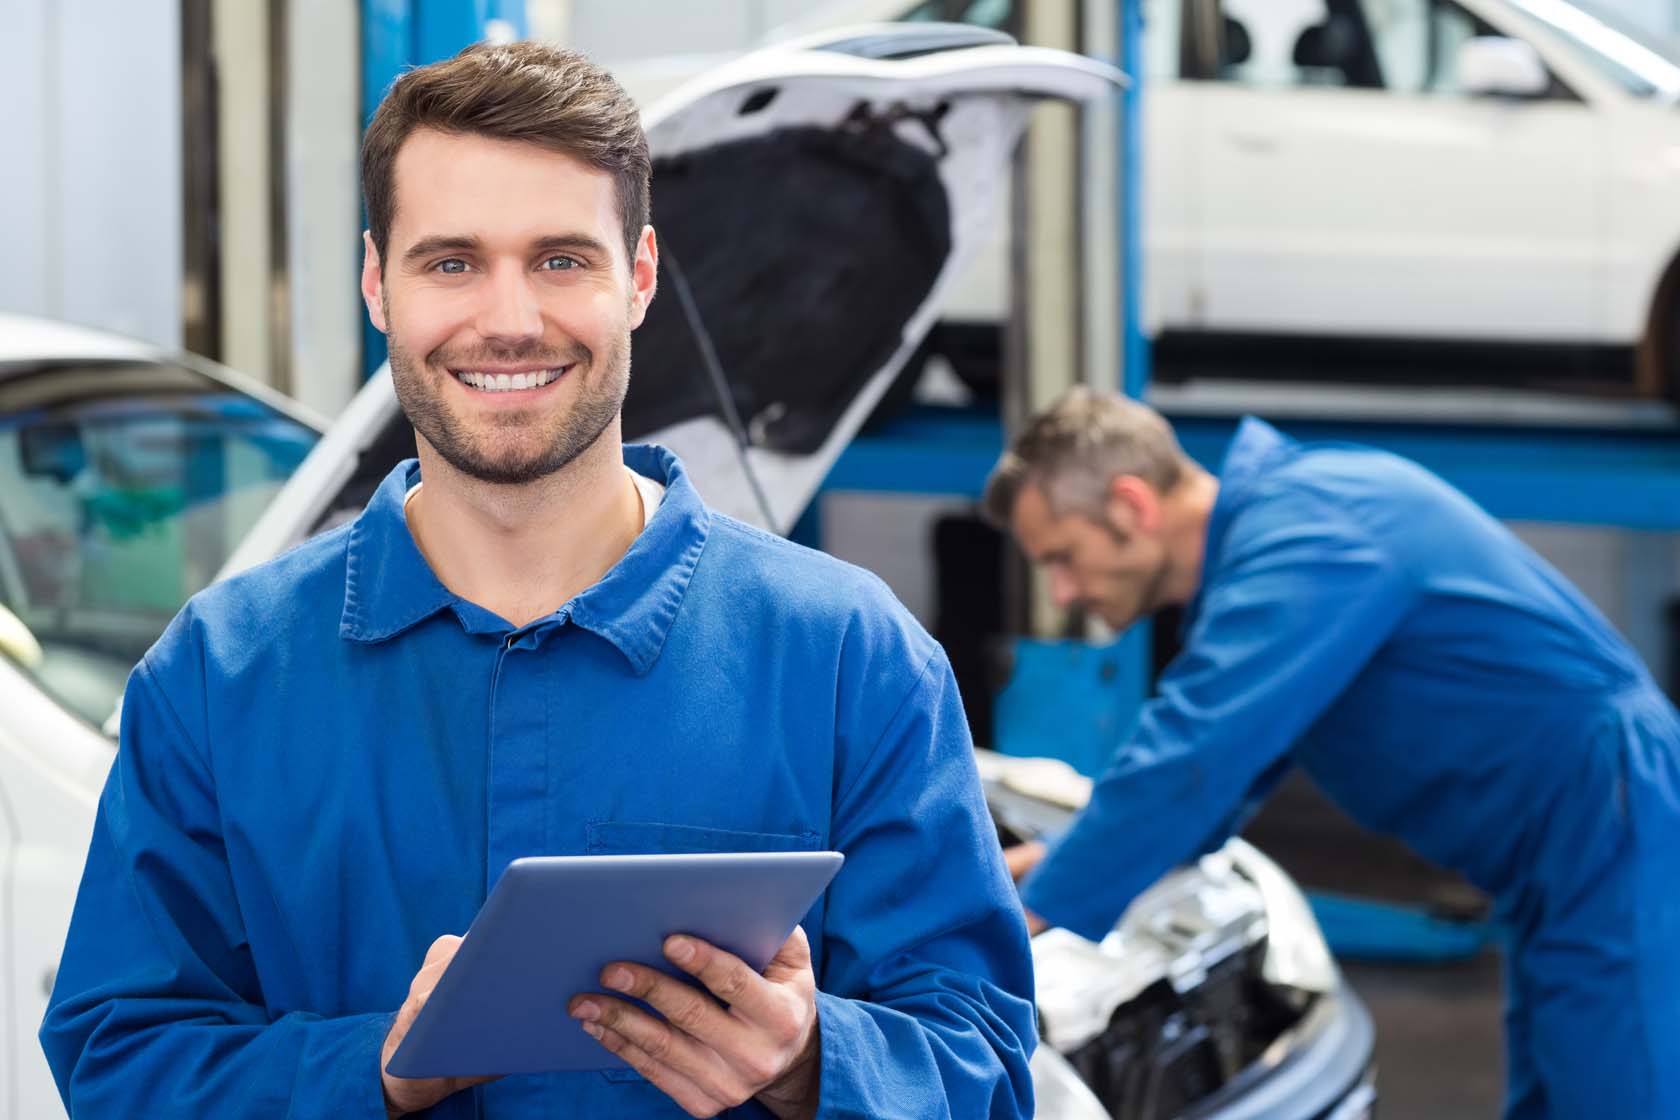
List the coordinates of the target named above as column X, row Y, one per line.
column 720, row 382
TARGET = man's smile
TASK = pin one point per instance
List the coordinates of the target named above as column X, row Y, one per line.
column 508, row 381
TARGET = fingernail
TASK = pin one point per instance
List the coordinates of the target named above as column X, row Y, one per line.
column 587, row 1010
column 681, row 949
column 618, row 978
column 592, row 1029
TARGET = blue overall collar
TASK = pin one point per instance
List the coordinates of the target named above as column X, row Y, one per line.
column 389, row 587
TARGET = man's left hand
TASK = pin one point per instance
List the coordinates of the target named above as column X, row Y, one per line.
column 762, row 1041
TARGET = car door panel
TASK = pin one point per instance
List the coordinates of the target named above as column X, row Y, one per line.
column 1337, row 210
column 1364, row 213
column 52, row 766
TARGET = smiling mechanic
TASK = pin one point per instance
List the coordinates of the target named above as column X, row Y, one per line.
column 1349, row 610
column 547, row 646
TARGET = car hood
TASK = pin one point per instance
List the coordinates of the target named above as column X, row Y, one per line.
column 818, row 198
column 812, row 203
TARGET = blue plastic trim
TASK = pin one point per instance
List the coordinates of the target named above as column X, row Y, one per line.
column 922, row 451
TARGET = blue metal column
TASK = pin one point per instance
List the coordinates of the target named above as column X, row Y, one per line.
column 1076, row 700
column 400, row 34
column 1136, row 346
column 1133, row 651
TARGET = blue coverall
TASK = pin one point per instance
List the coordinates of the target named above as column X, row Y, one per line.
column 1443, row 683
column 327, row 761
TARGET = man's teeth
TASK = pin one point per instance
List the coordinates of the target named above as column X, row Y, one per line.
column 503, row 382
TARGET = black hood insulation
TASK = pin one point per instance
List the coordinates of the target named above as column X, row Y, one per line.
column 808, row 250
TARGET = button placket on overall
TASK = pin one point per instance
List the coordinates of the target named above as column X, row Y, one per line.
column 517, row 781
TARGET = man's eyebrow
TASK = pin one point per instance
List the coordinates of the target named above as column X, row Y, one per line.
column 430, row 246
column 572, row 242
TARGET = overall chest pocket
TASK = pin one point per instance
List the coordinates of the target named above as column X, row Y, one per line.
column 633, row 838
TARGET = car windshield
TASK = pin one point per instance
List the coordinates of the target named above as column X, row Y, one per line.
column 123, row 487
column 1638, row 59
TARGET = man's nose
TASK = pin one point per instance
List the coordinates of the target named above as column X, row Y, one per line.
column 1064, row 592
column 510, row 312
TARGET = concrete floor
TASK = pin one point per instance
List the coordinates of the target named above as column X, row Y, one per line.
column 1438, row 1037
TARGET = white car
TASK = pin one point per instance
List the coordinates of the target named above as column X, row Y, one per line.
column 127, row 474
column 798, row 325
column 1423, row 190
column 1403, row 184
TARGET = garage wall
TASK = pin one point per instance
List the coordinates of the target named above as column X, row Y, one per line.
column 90, row 191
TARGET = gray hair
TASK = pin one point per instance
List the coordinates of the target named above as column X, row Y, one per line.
column 1077, row 447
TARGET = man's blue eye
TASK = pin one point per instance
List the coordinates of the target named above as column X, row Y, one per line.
column 559, row 264
column 452, row 266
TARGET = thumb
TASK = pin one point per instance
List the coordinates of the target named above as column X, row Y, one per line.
column 442, row 949
column 792, row 959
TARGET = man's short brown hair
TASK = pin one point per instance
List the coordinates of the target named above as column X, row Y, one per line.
column 1074, row 449
column 525, row 92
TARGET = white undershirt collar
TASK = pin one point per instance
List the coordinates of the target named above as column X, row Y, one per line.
column 650, row 492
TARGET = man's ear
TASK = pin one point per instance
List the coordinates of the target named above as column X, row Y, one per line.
column 1134, row 506
column 373, row 279
column 644, row 276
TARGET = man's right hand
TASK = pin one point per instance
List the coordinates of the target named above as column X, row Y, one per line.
column 1022, row 858
column 411, row 1094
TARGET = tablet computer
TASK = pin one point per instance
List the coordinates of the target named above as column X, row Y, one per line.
column 552, row 923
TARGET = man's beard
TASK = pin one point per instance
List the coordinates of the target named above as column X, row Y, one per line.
column 1146, row 603
column 600, row 397
column 1149, row 598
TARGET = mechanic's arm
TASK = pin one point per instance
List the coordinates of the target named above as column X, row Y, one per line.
column 1302, row 604
column 924, row 1006
column 157, row 1009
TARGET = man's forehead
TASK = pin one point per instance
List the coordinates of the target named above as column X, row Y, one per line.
column 425, row 144
column 493, row 189
column 1032, row 514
